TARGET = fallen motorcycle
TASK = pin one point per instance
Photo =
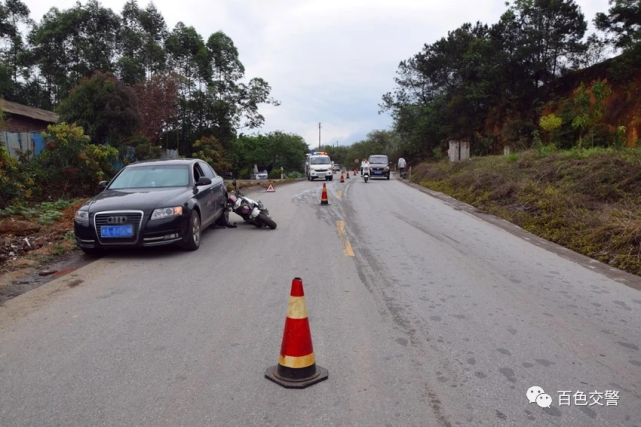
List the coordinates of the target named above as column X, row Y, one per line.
column 251, row 211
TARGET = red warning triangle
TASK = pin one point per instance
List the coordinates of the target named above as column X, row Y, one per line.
column 270, row 189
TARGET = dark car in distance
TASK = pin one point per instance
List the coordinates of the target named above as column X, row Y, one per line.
column 153, row 203
column 379, row 166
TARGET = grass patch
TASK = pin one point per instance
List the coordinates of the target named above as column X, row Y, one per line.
column 43, row 213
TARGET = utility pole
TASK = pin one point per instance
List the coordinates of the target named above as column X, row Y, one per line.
column 319, row 136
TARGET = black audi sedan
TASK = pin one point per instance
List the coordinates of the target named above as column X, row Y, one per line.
column 152, row 203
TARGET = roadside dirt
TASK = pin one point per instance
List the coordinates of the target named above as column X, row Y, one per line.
column 33, row 254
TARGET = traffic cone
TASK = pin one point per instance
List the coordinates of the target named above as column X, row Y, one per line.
column 324, row 196
column 347, row 175
column 296, row 365
column 342, row 179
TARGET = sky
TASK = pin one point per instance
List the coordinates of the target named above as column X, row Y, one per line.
column 327, row 61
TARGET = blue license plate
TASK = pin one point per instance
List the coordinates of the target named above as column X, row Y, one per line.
column 377, row 172
column 117, row 230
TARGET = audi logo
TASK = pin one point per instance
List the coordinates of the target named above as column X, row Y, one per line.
column 116, row 220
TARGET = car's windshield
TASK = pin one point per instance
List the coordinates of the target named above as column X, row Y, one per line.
column 320, row 161
column 152, row 176
column 378, row 160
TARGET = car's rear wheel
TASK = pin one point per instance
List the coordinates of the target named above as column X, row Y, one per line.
column 193, row 232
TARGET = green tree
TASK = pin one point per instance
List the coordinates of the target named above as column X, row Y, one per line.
column 287, row 150
column 224, row 62
column 13, row 14
column 186, row 49
column 276, row 149
column 551, row 31
column 104, row 106
column 211, row 150
column 589, row 106
column 623, row 22
column 69, row 45
column 549, row 124
column 141, row 39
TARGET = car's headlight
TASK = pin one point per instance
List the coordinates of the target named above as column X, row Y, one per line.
column 82, row 217
column 166, row 212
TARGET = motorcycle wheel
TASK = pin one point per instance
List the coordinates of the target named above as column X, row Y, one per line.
column 365, row 178
column 264, row 219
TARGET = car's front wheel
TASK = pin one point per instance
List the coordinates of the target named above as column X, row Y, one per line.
column 193, row 232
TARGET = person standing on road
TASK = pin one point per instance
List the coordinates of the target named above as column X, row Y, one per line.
column 401, row 166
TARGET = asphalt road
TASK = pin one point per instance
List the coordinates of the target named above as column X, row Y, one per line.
column 424, row 314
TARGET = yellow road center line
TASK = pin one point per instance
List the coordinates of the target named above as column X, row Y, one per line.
column 348, row 248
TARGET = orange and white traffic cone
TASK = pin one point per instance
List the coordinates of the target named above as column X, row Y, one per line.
column 296, row 365
column 342, row 179
column 324, row 196
column 347, row 175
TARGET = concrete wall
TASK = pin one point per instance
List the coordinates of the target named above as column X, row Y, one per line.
column 459, row 150
column 453, row 152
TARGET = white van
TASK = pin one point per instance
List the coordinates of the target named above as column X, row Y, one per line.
column 318, row 165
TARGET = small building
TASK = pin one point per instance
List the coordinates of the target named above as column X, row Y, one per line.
column 20, row 118
column 23, row 126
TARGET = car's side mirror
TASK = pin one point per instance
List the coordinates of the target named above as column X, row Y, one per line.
column 103, row 184
column 203, row 180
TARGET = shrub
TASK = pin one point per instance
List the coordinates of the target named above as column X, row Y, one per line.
column 244, row 174
column 70, row 166
column 275, row 173
column 293, row 175
column 10, row 187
